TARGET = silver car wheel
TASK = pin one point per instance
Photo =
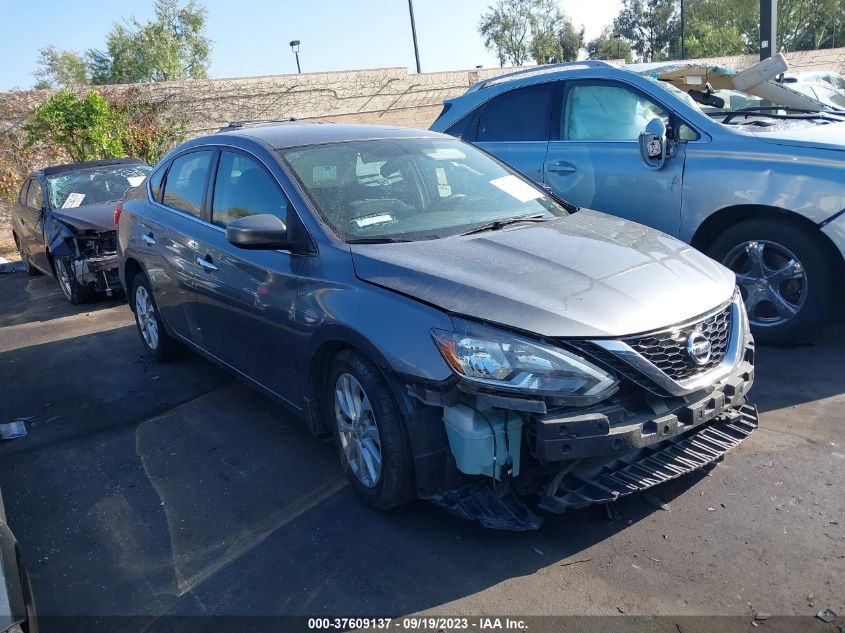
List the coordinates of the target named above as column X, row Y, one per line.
column 772, row 281
column 356, row 425
column 64, row 277
column 146, row 316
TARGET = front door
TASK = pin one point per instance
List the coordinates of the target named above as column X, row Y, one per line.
column 245, row 298
column 595, row 159
column 31, row 211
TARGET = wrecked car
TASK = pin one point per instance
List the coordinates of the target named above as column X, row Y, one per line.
column 737, row 164
column 63, row 223
column 465, row 336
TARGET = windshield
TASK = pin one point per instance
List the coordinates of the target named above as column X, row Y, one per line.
column 412, row 189
column 100, row 185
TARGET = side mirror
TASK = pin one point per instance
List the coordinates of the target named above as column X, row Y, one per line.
column 262, row 231
column 653, row 144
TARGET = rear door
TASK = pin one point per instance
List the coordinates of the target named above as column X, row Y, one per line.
column 515, row 127
column 245, row 299
column 594, row 159
column 166, row 238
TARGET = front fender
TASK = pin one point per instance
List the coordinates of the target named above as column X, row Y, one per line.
column 803, row 181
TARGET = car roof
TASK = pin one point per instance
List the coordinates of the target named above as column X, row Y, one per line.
column 88, row 164
column 298, row 133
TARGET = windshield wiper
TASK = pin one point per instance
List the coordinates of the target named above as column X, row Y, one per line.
column 790, row 113
column 377, row 240
column 501, row 223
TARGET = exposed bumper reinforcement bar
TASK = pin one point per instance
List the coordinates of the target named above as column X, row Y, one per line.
column 654, row 464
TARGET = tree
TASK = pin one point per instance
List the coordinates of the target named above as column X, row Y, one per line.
column 60, row 69
column 518, row 29
column 652, row 27
column 506, row 30
column 86, row 128
column 609, row 45
column 171, row 46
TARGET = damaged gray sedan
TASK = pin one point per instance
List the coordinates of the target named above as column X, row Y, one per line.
column 466, row 337
column 64, row 223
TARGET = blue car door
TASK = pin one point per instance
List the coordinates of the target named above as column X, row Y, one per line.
column 245, row 299
column 594, row 158
column 515, row 125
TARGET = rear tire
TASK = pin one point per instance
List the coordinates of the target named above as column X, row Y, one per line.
column 157, row 342
column 785, row 276
column 73, row 291
column 369, row 432
column 31, row 270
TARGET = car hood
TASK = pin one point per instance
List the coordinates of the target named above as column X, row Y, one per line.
column 94, row 217
column 827, row 136
column 585, row 275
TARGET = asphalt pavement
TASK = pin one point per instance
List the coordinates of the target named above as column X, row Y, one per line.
column 159, row 490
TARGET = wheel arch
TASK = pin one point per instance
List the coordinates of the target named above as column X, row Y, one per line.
column 724, row 218
column 131, row 268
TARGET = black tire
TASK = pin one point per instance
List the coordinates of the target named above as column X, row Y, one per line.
column 162, row 347
column 73, row 291
column 31, row 270
column 395, row 484
column 816, row 287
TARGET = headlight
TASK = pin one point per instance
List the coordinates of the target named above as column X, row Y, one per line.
column 492, row 357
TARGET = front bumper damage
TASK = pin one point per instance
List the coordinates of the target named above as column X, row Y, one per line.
column 571, row 457
column 92, row 255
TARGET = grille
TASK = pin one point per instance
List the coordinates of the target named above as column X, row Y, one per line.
column 668, row 350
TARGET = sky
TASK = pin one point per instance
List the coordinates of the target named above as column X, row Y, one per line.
column 251, row 36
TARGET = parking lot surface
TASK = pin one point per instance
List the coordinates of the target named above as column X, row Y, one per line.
column 175, row 489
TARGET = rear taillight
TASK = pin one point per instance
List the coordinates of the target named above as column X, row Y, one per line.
column 118, row 209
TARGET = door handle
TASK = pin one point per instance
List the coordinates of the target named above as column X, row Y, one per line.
column 561, row 167
column 149, row 240
column 206, row 264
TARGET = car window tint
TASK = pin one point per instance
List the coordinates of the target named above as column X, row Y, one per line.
column 34, row 197
column 243, row 187
column 155, row 183
column 22, row 196
column 523, row 114
column 186, row 182
column 600, row 112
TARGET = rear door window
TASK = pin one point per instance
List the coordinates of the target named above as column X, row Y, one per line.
column 523, row 114
column 243, row 187
column 22, row 196
column 186, row 182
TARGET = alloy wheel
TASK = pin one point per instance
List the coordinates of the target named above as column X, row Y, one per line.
column 146, row 316
column 64, row 277
column 356, row 425
column 771, row 279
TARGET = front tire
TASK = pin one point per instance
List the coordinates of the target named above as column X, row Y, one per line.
column 73, row 291
column 784, row 276
column 369, row 432
column 158, row 343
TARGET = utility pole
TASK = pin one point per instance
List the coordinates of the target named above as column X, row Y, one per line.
column 683, row 40
column 414, row 34
column 768, row 28
column 294, row 46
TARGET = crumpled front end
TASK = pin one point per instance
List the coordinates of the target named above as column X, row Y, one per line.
column 678, row 404
column 90, row 255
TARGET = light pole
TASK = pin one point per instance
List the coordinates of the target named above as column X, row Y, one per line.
column 683, row 40
column 294, row 47
column 414, row 34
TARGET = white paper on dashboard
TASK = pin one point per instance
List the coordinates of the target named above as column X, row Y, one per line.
column 134, row 181
column 515, row 187
column 73, row 200
column 373, row 219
